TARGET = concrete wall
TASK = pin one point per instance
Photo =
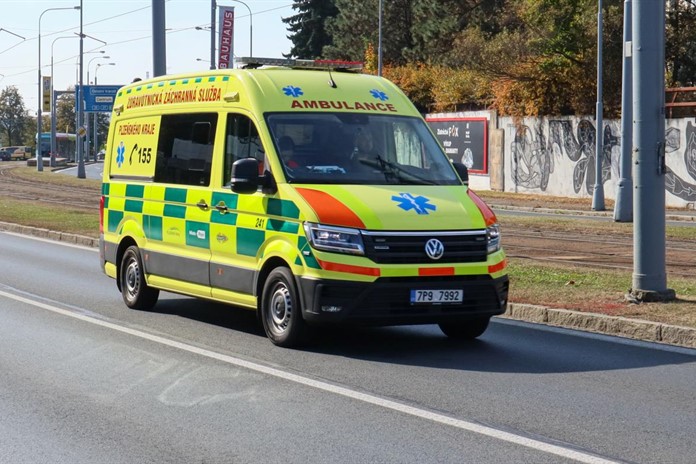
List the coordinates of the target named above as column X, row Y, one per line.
column 556, row 156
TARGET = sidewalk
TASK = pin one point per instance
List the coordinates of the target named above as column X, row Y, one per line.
column 589, row 322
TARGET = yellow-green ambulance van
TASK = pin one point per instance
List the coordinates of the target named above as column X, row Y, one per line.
column 309, row 193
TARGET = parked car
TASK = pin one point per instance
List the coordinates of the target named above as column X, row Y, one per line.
column 16, row 153
column 5, row 155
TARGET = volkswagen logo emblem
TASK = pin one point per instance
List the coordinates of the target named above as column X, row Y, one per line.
column 434, row 249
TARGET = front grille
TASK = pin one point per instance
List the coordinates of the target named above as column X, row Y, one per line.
column 467, row 246
column 390, row 297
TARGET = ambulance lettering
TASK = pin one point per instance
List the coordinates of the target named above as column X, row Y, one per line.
column 295, row 92
column 343, row 105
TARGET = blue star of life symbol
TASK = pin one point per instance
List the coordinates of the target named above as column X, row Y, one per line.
column 292, row 91
column 379, row 94
column 408, row 202
column 120, row 152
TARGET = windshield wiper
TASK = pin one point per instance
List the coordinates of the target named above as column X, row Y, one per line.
column 394, row 171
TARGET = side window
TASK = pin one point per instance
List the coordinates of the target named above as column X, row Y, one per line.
column 241, row 141
column 407, row 144
column 185, row 148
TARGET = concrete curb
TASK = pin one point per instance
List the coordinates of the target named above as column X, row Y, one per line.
column 599, row 323
column 50, row 234
column 589, row 322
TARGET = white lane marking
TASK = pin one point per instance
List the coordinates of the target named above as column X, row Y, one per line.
column 564, row 452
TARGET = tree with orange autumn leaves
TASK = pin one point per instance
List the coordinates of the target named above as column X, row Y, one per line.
column 518, row 57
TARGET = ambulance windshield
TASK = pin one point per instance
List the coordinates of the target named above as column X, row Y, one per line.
column 347, row 148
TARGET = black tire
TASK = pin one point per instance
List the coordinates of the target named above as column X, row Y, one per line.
column 281, row 314
column 465, row 329
column 135, row 291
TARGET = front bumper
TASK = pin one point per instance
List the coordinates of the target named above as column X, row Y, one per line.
column 386, row 301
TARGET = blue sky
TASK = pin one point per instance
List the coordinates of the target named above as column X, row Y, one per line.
column 126, row 27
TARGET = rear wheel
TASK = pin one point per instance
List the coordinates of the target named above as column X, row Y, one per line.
column 465, row 329
column 281, row 313
column 136, row 293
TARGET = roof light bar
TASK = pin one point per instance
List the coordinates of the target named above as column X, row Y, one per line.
column 255, row 62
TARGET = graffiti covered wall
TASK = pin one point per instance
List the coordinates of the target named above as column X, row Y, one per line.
column 556, row 156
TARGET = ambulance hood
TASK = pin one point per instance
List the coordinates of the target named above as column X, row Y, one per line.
column 398, row 207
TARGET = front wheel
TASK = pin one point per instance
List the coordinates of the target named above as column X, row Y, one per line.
column 281, row 313
column 465, row 329
column 136, row 293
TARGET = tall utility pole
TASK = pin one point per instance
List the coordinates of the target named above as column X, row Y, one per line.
column 159, row 41
column 379, row 39
column 649, row 243
column 81, row 174
column 598, row 191
column 623, row 209
column 39, row 112
column 213, row 12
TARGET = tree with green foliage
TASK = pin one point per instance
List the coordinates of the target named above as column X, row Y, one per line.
column 544, row 62
column 13, row 116
column 308, row 28
column 680, row 50
column 356, row 25
column 65, row 112
column 519, row 57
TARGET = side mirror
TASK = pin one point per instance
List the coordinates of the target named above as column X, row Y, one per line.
column 463, row 172
column 245, row 175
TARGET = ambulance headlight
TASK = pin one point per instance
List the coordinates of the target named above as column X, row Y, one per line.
column 493, row 238
column 335, row 239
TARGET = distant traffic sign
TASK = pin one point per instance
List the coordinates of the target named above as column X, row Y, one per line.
column 99, row 98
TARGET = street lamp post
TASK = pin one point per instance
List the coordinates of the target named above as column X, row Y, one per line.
column 251, row 52
column 379, row 39
column 95, row 135
column 598, row 191
column 87, row 137
column 39, row 113
column 53, row 104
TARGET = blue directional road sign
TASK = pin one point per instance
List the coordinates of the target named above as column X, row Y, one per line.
column 99, row 98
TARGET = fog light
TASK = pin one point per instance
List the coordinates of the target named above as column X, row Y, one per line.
column 331, row 308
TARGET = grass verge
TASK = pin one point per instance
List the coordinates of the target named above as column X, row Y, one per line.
column 59, row 218
column 570, row 288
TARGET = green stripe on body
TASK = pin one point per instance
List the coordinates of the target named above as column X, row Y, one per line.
column 153, row 227
column 249, row 241
column 175, row 211
column 198, row 234
column 177, row 195
column 115, row 218
column 283, row 208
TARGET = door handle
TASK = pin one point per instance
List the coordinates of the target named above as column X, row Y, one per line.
column 222, row 208
column 202, row 204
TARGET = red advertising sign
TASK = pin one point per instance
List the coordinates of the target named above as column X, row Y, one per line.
column 226, row 45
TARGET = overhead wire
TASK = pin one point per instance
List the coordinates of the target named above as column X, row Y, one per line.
column 123, row 41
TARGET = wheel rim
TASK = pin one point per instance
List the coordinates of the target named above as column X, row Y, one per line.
column 132, row 279
column 280, row 308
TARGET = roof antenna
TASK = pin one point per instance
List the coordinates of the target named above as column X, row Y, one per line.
column 332, row 83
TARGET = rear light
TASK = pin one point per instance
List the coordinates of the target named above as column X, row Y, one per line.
column 101, row 215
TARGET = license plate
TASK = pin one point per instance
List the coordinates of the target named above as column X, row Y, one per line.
column 446, row 296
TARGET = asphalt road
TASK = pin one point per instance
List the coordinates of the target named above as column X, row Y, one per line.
column 86, row 380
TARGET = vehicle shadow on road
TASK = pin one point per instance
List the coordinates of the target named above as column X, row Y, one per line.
column 504, row 348
column 228, row 317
